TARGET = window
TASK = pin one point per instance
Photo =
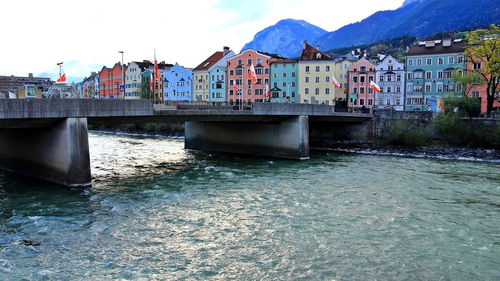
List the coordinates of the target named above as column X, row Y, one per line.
column 362, row 102
column 240, row 62
column 475, row 94
column 284, row 74
column 450, row 60
column 355, row 90
column 389, row 89
column 381, row 78
column 447, row 74
column 389, row 78
column 418, row 75
column 317, row 68
column 440, row 75
column 419, row 61
column 398, row 78
column 427, row 87
column 370, row 102
column 259, row 61
column 398, row 102
column 327, row 91
column 362, row 79
column 362, row 90
column 428, row 75
column 476, row 65
column 249, row 61
column 398, row 89
column 284, row 84
column 316, row 91
column 327, row 68
column 380, row 102
column 363, row 69
column 307, row 79
column 327, row 79
column 370, row 78
column 439, row 87
column 388, row 102
column 317, row 79
column 231, row 72
column 355, row 79
column 307, row 68
column 293, row 74
column 460, row 59
column 306, row 91
column 410, row 62
column 429, row 61
column 410, row 75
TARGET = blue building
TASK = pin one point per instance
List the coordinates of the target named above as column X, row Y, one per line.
column 217, row 84
column 177, row 83
column 284, row 74
column 429, row 69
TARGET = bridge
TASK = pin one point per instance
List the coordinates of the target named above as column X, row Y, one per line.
column 48, row 138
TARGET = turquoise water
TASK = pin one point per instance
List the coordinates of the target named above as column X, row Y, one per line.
column 158, row 212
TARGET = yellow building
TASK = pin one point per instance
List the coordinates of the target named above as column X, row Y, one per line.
column 315, row 76
column 342, row 65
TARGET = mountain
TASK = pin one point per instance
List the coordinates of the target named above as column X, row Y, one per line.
column 285, row 37
column 75, row 71
column 418, row 18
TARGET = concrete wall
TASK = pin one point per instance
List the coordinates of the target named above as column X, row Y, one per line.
column 59, row 154
column 286, row 139
column 382, row 118
column 63, row 108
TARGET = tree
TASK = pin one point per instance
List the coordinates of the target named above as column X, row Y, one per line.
column 465, row 80
column 483, row 47
column 146, row 92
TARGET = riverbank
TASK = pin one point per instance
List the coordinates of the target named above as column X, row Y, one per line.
column 432, row 152
column 358, row 147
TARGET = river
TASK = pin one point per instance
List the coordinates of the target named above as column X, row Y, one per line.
column 158, row 212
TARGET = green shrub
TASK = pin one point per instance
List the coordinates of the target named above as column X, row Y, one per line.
column 401, row 132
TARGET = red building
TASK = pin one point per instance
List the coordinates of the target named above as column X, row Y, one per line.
column 360, row 92
column 110, row 80
column 479, row 90
column 240, row 86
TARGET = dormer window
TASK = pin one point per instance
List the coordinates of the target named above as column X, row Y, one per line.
column 318, row 56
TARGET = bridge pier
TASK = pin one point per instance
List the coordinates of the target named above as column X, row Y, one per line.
column 57, row 152
column 288, row 138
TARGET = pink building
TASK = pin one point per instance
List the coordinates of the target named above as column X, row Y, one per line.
column 360, row 75
column 240, row 87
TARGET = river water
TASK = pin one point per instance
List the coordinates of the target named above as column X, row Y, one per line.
column 158, row 212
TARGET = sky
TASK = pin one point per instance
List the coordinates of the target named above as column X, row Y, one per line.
column 86, row 35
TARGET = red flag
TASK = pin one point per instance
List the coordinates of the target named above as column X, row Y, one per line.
column 375, row 87
column 151, row 83
column 156, row 69
column 335, row 83
column 252, row 74
column 62, row 78
column 268, row 93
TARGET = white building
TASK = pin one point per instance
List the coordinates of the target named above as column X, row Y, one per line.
column 390, row 76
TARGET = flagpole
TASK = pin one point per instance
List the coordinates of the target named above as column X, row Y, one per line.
column 242, row 85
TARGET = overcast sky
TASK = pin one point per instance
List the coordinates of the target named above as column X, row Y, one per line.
column 88, row 34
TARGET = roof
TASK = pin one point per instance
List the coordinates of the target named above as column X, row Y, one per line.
column 437, row 47
column 210, row 61
column 283, row 61
column 311, row 53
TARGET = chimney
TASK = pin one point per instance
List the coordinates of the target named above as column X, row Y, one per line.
column 447, row 42
column 30, row 75
column 225, row 50
column 358, row 50
column 353, row 52
column 304, row 43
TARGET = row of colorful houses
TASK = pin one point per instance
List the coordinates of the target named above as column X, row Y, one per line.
column 420, row 83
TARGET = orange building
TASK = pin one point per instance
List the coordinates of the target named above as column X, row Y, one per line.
column 479, row 90
column 110, row 80
column 240, row 86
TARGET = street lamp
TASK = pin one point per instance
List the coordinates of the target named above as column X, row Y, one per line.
column 123, row 76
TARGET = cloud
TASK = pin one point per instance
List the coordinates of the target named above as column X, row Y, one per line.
column 93, row 31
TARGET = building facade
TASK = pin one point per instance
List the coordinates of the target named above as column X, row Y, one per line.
column 390, row 77
column 177, row 83
column 284, row 78
column 240, row 88
column 315, row 76
column 110, row 80
column 360, row 75
column 429, row 69
column 202, row 74
column 90, row 86
column 217, row 77
column 342, row 65
column 10, row 84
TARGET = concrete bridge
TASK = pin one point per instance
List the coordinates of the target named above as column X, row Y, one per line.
column 48, row 138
